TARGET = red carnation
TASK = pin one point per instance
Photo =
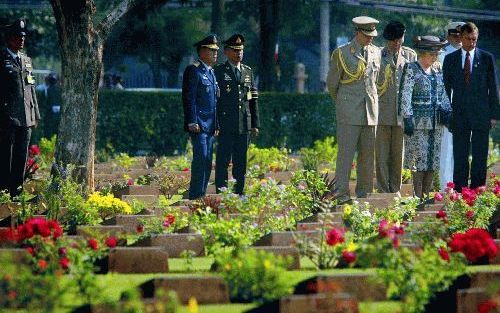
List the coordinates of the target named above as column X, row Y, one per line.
column 111, row 242
column 139, row 228
column 62, row 251
column 474, row 244
column 169, row 220
column 469, row 214
column 186, row 169
column 479, row 190
column 12, row 295
column 64, row 263
column 443, row 253
column 31, row 251
column 130, row 182
column 441, row 214
column 42, row 264
column 349, row 257
column 334, row 237
column 383, row 228
column 451, row 185
column 92, row 243
column 438, row 196
column 34, row 150
column 454, row 196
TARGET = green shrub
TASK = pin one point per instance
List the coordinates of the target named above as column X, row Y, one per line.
column 254, row 275
column 153, row 121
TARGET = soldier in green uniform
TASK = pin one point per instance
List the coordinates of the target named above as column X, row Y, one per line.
column 18, row 108
column 237, row 113
column 389, row 138
column 351, row 82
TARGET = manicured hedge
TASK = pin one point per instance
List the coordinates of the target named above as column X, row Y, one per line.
column 153, row 121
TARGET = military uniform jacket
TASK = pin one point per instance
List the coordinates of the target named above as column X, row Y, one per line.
column 388, row 81
column 18, row 103
column 352, row 83
column 199, row 97
column 237, row 109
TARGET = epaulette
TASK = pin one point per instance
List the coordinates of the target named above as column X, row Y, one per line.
column 246, row 66
column 196, row 63
column 409, row 50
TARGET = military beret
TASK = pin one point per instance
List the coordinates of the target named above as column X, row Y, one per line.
column 17, row 28
column 394, row 30
column 454, row 28
column 366, row 25
column 209, row 42
column 235, row 42
column 429, row 43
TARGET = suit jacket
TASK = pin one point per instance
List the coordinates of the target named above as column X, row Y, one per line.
column 351, row 82
column 18, row 103
column 237, row 109
column 388, row 81
column 199, row 97
column 476, row 104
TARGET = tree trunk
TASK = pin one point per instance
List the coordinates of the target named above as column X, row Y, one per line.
column 269, row 25
column 218, row 18
column 324, row 60
column 81, row 47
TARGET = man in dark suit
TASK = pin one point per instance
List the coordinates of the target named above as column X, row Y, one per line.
column 471, row 85
column 237, row 113
column 199, row 98
column 18, row 108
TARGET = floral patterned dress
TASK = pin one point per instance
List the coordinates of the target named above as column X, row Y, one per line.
column 422, row 97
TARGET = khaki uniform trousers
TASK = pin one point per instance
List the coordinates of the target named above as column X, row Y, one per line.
column 352, row 138
column 389, row 158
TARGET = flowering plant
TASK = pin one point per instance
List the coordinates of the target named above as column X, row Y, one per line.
column 106, row 205
column 32, row 163
column 475, row 244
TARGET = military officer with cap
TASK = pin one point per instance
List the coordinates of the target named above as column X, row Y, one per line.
column 199, row 98
column 18, row 108
column 237, row 113
column 446, row 160
column 351, row 82
column 389, row 137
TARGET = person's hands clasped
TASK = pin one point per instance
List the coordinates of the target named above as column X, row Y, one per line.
column 194, row 128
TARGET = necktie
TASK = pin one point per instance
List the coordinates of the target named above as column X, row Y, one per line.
column 467, row 69
column 18, row 60
column 365, row 53
column 237, row 73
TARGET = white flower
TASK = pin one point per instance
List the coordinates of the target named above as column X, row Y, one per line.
column 366, row 213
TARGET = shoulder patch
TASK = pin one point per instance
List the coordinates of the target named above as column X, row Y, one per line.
column 246, row 66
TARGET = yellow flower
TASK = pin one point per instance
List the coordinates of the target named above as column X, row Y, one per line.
column 227, row 267
column 347, row 209
column 267, row 264
column 240, row 264
column 192, row 305
column 351, row 246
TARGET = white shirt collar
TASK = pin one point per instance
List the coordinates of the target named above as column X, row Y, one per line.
column 206, row 65
column 235, row 66
column 471, row 53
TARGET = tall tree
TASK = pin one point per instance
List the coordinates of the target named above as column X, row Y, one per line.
column 269, row 11
column 81, row 38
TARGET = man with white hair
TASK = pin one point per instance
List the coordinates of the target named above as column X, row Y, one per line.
column 446, row 159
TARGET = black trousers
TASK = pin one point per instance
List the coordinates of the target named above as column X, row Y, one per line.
column 466, row 142
column 14, row 142
column 231, row 146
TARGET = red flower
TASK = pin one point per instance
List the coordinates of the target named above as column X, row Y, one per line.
column 111, row 242
column 92, row 243
column 349, row 257
column 383, row 228
column 8, row 234
column 31, row 251
column 12, row 295
column 42, row 264
column 454, row 196
column 169, row 220
column 497, row 190
column 486, row 306
column 469, row 214
column 441, row 214
column 469, row 196
column 186, row 169
column 64, row 263
column 450, row 185
column 479, row 190
column 139, row 228
column 34, row 150
column 474, row 244
column 395, row 243
column 57, row 230
column 438, row 196
column 62, row 251
column 334, row 237
column 130, row 182
column 443, row 253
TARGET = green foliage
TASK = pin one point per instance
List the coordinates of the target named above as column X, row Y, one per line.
column 254, row 275
column 359, row 220
column 124, row 161
column 156, row 125
column 417, row 276
column 268, row 159
column 4, row 197
column 405, row 176
column 47, row 150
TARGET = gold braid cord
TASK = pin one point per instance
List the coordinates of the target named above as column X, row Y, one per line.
column 388, row 80
column 360, row 71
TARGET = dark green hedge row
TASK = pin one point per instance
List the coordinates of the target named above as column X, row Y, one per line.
column 153, row 121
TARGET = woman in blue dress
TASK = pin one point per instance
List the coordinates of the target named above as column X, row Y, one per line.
column 424, row 106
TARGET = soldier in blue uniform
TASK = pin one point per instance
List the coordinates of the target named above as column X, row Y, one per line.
column 199, row 98
column 18, row 108
column 237, row 113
